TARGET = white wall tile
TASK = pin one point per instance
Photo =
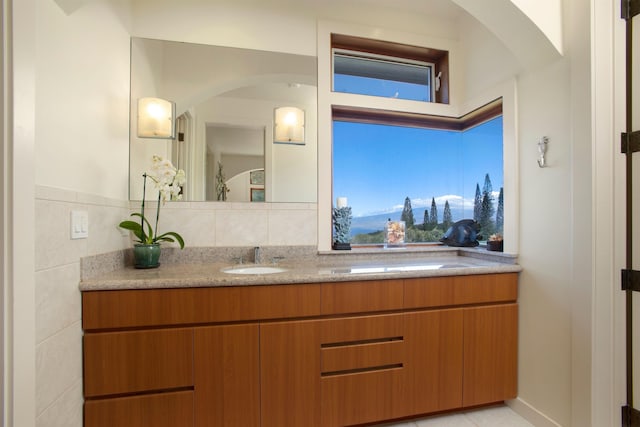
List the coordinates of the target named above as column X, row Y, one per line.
column 104, row 233
column 58, row 365
column 298, row 227
column 54, row 246
column 57, row 299
column 66, row 411
column 196, row 226
column 245, row 228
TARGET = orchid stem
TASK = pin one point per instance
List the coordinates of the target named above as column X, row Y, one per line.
column 158, row 212
column 144, row 192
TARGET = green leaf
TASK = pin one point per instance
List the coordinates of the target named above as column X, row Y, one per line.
column 134, row 227
column 165, row 237
column 148, row 237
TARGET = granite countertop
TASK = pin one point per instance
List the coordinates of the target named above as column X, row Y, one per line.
column 320, row 269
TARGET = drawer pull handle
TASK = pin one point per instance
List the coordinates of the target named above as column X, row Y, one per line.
column 362, row 370
column 361, row 342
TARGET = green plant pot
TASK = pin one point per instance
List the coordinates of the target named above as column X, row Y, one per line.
column 146, row 256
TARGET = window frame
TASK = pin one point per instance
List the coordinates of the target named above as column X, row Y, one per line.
column 393, row 60
column 373, row 47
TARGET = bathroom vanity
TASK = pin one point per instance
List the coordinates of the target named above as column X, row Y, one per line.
column 299, row 348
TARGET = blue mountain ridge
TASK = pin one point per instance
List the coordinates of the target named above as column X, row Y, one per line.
column 372, row 223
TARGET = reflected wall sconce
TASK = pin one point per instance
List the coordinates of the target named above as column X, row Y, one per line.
column 156, row 118
column 289, row 125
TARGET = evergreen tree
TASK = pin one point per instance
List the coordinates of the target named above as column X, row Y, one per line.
column 500, row 212
column 433, row 215
column 425, row 220
column 487, row 188
column 487, row 211
column 447, row 220
column 477, row 204
column 407, row 214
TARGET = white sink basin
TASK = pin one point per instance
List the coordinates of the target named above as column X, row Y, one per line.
column 253, row 269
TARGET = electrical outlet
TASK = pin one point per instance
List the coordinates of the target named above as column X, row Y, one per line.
column 79, row 224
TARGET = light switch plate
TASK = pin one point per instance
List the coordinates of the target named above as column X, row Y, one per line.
column 79, row 224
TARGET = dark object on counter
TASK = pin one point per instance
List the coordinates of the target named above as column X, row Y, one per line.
column 342, row 246
column 495, row 245
column 463, row 233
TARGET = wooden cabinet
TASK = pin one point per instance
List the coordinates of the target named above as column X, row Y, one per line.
column 490, row 354
column 290, row 373
column 227, row 386
column 434, row 369
column 313, row 355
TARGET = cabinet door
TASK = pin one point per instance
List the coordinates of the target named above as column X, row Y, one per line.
column 227, row 379
column 433, row 342
column 290, row 374
column 490, row 354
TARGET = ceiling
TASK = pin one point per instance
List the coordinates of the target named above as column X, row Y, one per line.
column 441, row 8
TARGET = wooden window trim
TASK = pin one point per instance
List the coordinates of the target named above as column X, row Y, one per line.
column 416, row 120
column 440, row 58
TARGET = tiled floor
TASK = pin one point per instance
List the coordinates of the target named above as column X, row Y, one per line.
column 495, row 416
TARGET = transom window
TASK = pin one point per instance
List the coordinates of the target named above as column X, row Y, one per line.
column 379, row 75
column 392, row 70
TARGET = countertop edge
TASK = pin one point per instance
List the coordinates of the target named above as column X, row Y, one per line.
column 294, row 275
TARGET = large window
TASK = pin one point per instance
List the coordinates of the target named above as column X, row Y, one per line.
column 430, row 173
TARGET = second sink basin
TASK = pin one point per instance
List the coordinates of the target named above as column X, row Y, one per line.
column 253, row 269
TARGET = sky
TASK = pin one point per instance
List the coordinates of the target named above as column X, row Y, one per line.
column 377, row 166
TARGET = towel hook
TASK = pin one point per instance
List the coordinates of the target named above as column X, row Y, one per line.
column 542, row 149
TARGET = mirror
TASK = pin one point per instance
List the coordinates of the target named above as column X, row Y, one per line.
column 225, row 100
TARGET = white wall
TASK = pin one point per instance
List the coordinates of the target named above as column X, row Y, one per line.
column 82, row 98
column 81, row 158
column 545, row 243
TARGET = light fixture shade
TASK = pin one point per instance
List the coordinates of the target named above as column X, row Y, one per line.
column 289, row 125
column 156, row 118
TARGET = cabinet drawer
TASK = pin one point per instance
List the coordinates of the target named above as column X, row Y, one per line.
column 129, row 362
column 151, row 410
column 361, row 297
column 358, row 329
column 168, row 307
column 363, row 397
column 460, row 290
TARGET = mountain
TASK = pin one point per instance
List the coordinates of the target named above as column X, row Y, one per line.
column 372, row 223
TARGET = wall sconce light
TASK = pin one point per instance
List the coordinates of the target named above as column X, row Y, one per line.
column 156, row 118
column 289, row 125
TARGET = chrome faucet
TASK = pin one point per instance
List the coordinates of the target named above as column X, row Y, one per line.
column 256, row 255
